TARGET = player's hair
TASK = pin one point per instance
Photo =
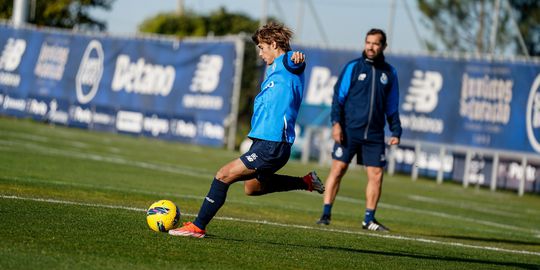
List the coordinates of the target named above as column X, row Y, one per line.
column 374, row 31
column 274, row 32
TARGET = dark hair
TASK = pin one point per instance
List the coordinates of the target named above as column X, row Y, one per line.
column 274, row 32
column 375, row 31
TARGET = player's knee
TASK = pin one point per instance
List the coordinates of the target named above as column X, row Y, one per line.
column 378, row 171
column 252, row 190
column 223, row 174
column 375, row 174
column 341, row 169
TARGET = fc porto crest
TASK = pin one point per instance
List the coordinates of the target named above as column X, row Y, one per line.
column 384, row 78
column 338, row 152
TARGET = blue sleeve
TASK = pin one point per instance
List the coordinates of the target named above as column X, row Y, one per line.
column 392, row 106
column 341, row 90
column 291, row 66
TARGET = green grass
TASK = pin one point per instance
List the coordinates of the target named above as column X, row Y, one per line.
column 75, row 199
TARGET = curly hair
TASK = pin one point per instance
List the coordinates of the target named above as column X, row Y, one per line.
column 274, row 32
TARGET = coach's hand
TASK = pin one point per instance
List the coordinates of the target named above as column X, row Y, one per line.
column 393, row 141
column 298, row 57
column 337, row 133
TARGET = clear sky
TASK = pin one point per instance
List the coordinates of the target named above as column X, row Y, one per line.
column 343, row 22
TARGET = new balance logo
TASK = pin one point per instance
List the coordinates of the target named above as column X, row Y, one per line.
column 422, row 96
column 251, row 157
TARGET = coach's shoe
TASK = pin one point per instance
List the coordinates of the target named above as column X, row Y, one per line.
column 324, row 220
column 189, row 229
column 314, row 182
column 374, row 225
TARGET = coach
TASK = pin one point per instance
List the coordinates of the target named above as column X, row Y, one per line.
column 366, row 95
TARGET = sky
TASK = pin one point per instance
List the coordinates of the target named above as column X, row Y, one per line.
column 340, row 23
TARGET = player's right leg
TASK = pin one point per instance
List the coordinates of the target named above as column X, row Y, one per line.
column 332, row 183
column 342, row 155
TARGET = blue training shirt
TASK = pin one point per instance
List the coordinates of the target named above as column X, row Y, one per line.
column 276, row 106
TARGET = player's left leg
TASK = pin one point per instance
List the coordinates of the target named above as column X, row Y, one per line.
column 268, row 157
column 214, row 200
column 374, row 186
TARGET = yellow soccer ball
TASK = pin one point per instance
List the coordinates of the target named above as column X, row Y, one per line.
column 162, row 216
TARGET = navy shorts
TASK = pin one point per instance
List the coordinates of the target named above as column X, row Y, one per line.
column 367, row 153
column 266, row 157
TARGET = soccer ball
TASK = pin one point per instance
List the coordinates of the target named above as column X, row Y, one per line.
column 162, row 216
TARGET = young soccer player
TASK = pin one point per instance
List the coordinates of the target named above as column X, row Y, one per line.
column 272, row 131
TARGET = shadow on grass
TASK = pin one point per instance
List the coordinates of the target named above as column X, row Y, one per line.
column 388, row 253
column 436, row 258
column 490, row 240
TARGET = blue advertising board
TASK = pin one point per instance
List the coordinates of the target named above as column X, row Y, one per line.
column 477, row 103
column 165, row 88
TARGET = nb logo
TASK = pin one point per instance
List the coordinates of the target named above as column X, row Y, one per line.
column 12, row 54
column 206, row 78
column 251, row 157
column 423, row 92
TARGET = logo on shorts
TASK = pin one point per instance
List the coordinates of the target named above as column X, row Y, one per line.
column 384, row 79
column 251, row 157
column 339, row 152
column 383, row 157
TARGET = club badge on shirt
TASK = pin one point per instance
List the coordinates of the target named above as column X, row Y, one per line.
column 384, row 79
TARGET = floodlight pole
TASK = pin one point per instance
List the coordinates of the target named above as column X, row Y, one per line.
column 391, row 23
column 264, row 13
column 494, row 27
column 515, row 25
column 20, row 12
column 413, row 23
column 235, row 99
column 300, row 19
column 180, row 8
column 320, row 26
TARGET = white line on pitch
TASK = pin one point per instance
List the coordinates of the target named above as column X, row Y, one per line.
column 339, row 198
column 388, row 236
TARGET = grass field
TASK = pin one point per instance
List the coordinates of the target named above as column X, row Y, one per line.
column 75, row 199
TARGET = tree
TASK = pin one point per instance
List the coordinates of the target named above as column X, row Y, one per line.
column 528, row 19
column 62, row 13
column 217, row 23
column 465, row 26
